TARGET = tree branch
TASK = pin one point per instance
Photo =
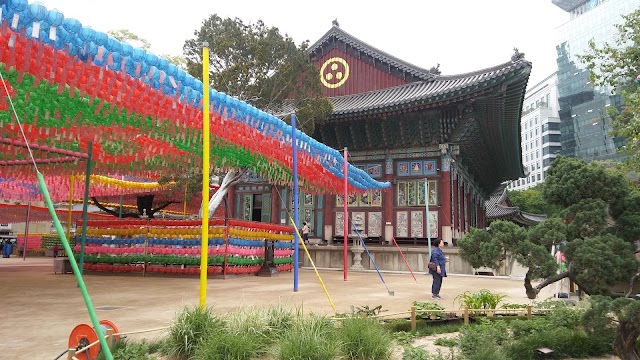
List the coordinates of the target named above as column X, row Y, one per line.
column 113, row 212
column 631, row 283
column 532, row 292
column 153, row 211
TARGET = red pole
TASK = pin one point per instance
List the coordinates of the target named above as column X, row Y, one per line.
column 346, row 213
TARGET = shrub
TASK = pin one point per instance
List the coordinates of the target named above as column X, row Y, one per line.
column 484, row 335
column 566, row 317
column 423, row 307
column 415, row 353
column 564, row 342
column 126, row 350
column 483, row 299
column 524, row 328
column 446, row 342
column 188, row 330
column 365, row 338
column 309, row 338
column 279, row 318
column 225, row 344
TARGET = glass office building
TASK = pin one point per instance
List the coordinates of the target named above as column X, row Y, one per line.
column 584, row 124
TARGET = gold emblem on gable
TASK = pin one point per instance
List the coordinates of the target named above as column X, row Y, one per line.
column 334, row 72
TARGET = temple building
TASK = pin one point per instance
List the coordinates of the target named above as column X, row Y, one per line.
column 407, row 125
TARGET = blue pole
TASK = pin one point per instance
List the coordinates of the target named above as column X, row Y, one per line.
column 295, row 201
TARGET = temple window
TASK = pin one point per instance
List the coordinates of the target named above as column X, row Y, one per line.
column 411, row 193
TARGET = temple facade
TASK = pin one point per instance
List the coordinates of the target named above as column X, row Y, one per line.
column 445, row 142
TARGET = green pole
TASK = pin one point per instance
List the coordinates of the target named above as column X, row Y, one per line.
column 85, row 206
column 67, row 248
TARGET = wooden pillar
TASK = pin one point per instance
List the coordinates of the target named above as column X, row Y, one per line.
column 329, row 218
column 388, row 202
column 445, row 199
column 275, row 205
column 461, row 215
column 456, row 207
column 467, row 209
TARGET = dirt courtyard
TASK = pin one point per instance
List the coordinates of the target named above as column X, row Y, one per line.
column 41, row 308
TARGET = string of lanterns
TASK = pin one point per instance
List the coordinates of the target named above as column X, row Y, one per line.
column 71, row 85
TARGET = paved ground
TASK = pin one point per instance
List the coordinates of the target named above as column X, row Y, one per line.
column 40, row 308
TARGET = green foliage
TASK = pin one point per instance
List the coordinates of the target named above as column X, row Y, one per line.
column 547, row 233
column 627, row 215
column 403, row 337
column 415, row 353
column 312, row 337
column 361, row 311
column 531, row 200
column 485, row 336
column 570, row 180
column 191, row 327
column 586, row 218
column 566, row 317
column 488, row 248
column 603, row 315
column 601, row 261
column 483, row 299
column 132, row 39
column 513, row 306
column 423, row 307
column 247, row 333
column 615, row 66
column 560, row 330
column 537, row 258
column 261, row 66
column 365, row 338
column 446, row 342
column 564, row 342
column 128, row 350
column 226, row 344
column 600, row 218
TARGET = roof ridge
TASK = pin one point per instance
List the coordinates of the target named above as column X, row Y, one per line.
column 482, row 71
column 436, row 79
column 382, row 55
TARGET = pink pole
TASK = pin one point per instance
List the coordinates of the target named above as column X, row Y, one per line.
column 403, row 258
column 346, row 213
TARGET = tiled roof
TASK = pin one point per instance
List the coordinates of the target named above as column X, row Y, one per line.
column 337, row 33
column 415, row 94
column 424, row 92
column 498, row 208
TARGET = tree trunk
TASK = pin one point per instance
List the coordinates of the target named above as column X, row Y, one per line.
column 532, row 292
column 624, row 345
column 230, row 178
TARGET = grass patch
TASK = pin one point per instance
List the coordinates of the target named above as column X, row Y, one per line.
column 225, row 344
column 128, row 350
column 309, row 338
column 189, row 330
column 365, row 338
column 446, row 342
column 564, row 342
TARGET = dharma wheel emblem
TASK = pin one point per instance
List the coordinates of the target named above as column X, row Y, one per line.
column 334, row 72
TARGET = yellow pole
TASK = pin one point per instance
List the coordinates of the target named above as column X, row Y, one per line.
column 184, row 210
column 69, row 220
column 205, row 176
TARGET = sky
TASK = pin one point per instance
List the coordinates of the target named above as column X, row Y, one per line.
column 461, row 35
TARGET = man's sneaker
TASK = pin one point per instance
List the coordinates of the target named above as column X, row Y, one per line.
column 436, row 297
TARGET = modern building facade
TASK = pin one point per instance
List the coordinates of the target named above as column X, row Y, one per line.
column 584, row 122
column 539, row 132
